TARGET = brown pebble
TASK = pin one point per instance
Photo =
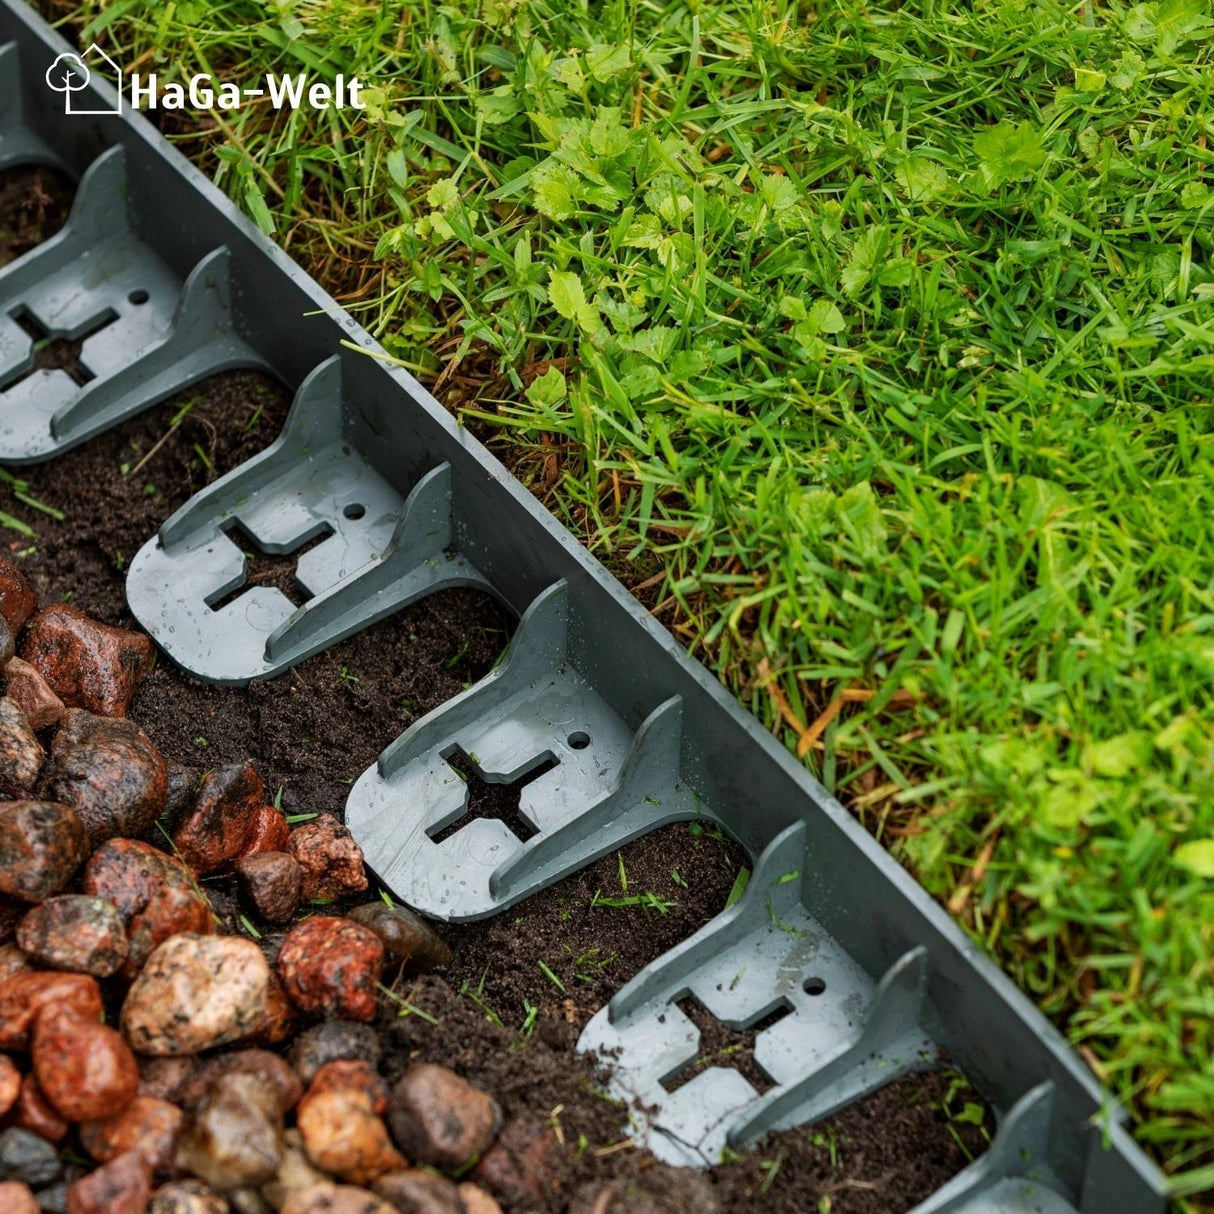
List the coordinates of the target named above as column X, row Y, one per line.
column 330, row 1042
column 33, row 694
column 281, row 1019
column 17, row 1198
column 17, row 598
column 75, row 932
column 35, row 1113
column 332, row 862
column 343, row 1136
column 406, row 936
column 87, row 664
column 146, row 1125
column 294, row 1171
column 476, row 1200
column 109, row 772
column 164, row 1078
column 437, row 1118
column 195, row 993
column 8, row 642
column 215, row 827
column 515, row 1168
column 10, row 1083
column 331, row 967
column 268, row 831
column 234, row 1139
column 187, row 1197
column 42, row 844
column 270, row 882
column 350, row 1074
column 86, row 1069
column 21, row 753
column 334, row 1199
column 156, row 895
column 415, row 1191
column 122, row 1186
column 12, row 959
column 268, row 1067
column 24, row 995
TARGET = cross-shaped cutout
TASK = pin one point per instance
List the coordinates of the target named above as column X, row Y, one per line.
column 493, row 799
column 263, row 568
column 53, row 353
column 721, row 1045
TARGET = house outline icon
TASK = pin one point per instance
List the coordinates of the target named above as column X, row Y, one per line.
column 93, row 51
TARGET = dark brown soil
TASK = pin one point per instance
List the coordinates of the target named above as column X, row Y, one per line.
column 34, row 204
column 521, row 985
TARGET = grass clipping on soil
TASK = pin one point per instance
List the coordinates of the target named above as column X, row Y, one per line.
column 870, row 346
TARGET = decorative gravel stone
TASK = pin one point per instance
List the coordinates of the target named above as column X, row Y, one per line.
column 122, row 1186
column 406, row 936
column 476, row 1200
column 195, row 993
column 351, row 1075
column 146, row 1125
column 88, row 664
column 35, row 1113
column 86, row 1069
column 294, row 1171
column 8, row 642
column 270, row 882
column 281, row 1019
column 335, row 1199
column 234, row 1139
column 32, row 694
column 331, row 966
column 75, row 932
column 10, row 1083
column 165, row 1078
column 17, row 598
column 24, row 995
column 419, row 1192
column 155, row 894
column 268, row 831
column 514, row 1168
column 109, row 772
column 343, row 1136
column 268, row 1067
column 12, row 959
column 42, row 844
column 216, row 826
column 17, row 1198
column 332, row 1041
column 187, row 1197
column 437, row 1118
column 26, row 1157
column 21, row 753
column 331, row 860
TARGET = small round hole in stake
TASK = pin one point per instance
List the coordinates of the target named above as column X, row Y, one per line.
column 578, row 740
column 814, row 986
column 355, row 510
column 138, row 297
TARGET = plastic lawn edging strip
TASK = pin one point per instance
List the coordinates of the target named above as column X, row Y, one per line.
column 166, row 282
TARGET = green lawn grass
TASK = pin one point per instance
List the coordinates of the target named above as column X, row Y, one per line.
column 873, row 347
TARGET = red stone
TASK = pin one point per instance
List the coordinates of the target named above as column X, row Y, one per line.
column 109, row 772
column 268, row 831
column 86, row 1069
column 515, row 1168
column 12, row 960
column 87, row 664
column 17, row 1198
column 217, row 825
column 35, row 1113
column 155, row 893
column 146, row 1125
column 33, row 694
column 17, row 598
column 24, row 995
column 353, row 1075
column 10, row 1083
column 122, row 1186
column 42, row 844
column 331, row 967
column 331, row 860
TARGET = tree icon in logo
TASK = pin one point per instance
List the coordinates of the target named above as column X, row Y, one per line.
column 69, row 74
